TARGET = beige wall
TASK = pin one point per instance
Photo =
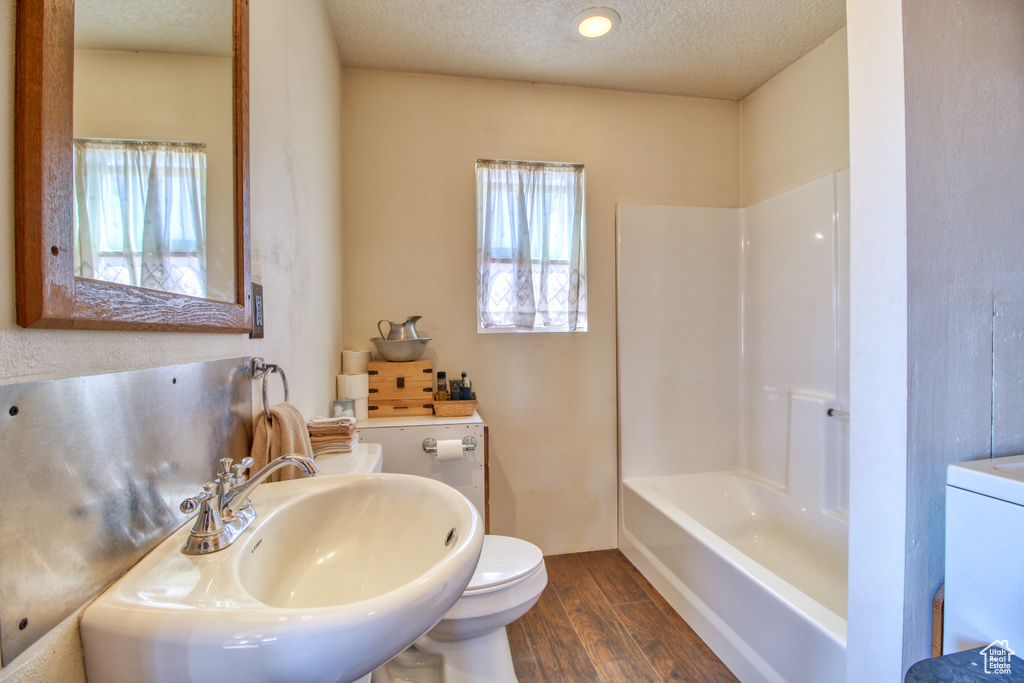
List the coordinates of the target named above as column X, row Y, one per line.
column 295, row 109
column 795, row 128
column 180, row 98
column 410, row 248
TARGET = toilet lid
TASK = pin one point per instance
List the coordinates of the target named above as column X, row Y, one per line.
column 504, row 559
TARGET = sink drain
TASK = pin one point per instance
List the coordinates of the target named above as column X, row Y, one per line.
column 450, row 538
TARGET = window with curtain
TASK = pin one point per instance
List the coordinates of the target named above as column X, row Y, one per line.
column 140, row 214
column 531, row 247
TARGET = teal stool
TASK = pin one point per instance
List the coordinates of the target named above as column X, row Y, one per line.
column 991, row 664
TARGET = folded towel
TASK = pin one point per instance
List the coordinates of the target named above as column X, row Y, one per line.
column 344, row 420
column 320, row 419
column 285, row 434
column 315, row 441
column 335, row 447
column 331, row 433
column 331, row 426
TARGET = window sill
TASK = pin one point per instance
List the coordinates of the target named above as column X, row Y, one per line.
column 536, row 330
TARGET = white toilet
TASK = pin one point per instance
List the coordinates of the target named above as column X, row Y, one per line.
column 470, row 645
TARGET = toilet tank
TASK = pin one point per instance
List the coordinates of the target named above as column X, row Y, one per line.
column 984, row 596
column 365, row 459
column 401, row 439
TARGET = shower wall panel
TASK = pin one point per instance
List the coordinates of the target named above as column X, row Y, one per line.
column 723, row 316
column 790, row 316
column 679, row 319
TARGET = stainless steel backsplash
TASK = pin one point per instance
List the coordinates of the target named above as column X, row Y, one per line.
column 92, row 470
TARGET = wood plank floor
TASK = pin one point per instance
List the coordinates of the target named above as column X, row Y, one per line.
column 600, row 620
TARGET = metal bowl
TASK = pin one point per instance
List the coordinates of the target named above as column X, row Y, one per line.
column 400, row 350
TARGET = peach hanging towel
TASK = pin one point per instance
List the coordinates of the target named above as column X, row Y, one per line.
column 285, row 434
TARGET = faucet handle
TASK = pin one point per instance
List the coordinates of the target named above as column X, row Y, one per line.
column 237, row 474
column 238, row 470
column 192, row 504
column 225, row 465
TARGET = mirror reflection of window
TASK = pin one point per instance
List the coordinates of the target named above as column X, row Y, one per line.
column 163, row 70
column 140, row 214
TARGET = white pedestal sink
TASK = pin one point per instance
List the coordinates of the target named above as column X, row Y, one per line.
column 336, row 575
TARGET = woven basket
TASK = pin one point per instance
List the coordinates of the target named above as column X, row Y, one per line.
column 454, row 408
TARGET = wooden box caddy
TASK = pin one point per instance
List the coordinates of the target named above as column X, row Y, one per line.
column 398, row 389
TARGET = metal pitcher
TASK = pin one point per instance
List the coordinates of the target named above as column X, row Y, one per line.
column 399, row 331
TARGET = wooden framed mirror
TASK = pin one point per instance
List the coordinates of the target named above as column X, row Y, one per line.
column 49, row 294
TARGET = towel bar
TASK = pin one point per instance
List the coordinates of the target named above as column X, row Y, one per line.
column 258, row 368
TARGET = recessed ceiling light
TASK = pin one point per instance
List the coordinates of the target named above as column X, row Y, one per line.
column 595, row 22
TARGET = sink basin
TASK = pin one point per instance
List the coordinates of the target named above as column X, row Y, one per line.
column 336, row 576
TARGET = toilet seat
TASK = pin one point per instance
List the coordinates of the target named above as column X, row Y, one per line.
column 470, row 643
column 504, row 561
column 509, row 579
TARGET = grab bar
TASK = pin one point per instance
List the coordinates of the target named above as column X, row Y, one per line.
column 258, row 368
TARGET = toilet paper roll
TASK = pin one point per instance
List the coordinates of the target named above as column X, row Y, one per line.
column 353, row 386
column 354, row 362
column 448, row 449
column 362, row 408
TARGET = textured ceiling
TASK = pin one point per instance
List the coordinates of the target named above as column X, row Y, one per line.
column 706, row 48
column 194, row 27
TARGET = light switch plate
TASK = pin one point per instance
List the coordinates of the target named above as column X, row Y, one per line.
column 257, row 311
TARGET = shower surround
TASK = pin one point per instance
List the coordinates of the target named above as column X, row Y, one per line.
column 734, row 447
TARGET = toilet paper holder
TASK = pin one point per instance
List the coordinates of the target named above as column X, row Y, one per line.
column 468, row 444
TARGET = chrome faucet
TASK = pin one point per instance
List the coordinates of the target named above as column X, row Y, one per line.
column 224, row 507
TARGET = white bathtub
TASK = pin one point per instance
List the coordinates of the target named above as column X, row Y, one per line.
column 761, row 580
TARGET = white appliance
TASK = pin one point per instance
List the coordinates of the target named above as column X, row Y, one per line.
column 984, row 599
column 402, row 441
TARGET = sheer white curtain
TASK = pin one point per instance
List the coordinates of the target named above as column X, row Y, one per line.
column 140, row 214
column 531, row 246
